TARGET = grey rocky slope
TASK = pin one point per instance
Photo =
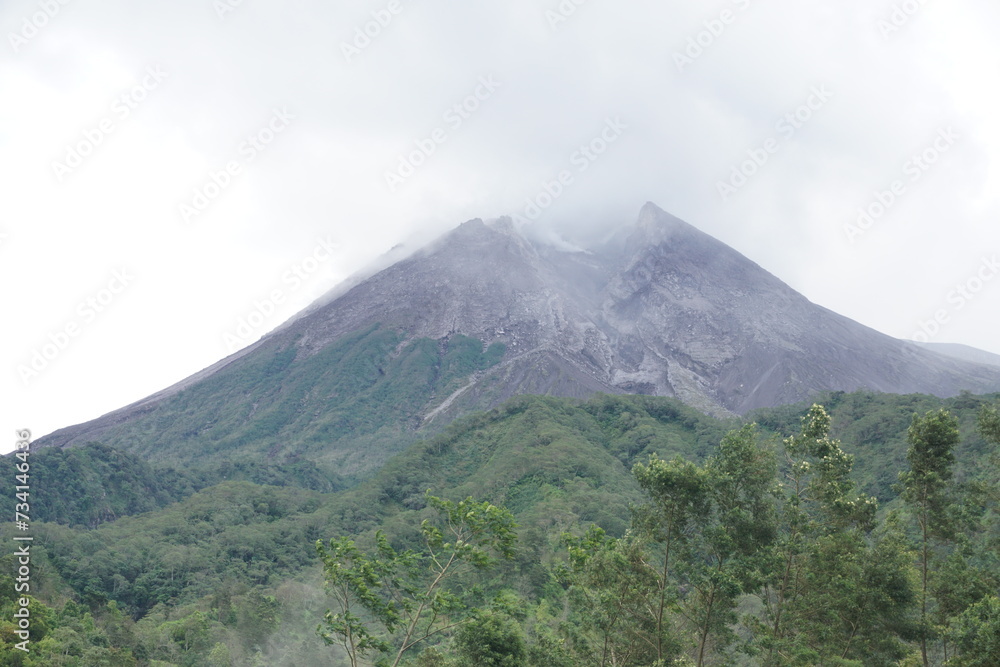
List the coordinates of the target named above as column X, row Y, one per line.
column 661, row 308
column 964, row 352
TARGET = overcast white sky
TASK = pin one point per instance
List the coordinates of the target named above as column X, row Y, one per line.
column 115, row 113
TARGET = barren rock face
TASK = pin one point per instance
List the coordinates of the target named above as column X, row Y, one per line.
column 661, row 308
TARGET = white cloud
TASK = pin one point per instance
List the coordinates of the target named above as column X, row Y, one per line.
column 326, row 173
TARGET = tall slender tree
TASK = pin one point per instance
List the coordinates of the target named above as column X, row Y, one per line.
column 731, row 547
column 821, row 516
column 925, row 488
column 679, row 504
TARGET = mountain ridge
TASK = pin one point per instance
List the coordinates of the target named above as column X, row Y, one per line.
column 658, row 308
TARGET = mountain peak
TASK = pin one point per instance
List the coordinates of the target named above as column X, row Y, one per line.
column 484, row 231
column 651, row 214
column 661, row 309
column 504, row 224
column 655, row 226
column 471, row 227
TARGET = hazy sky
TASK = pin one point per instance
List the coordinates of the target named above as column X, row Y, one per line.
column 170, row 169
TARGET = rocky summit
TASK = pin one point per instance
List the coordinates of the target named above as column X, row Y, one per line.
column 659, row 308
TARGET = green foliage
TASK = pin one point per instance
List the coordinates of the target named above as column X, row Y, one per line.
column 491, row 640
column 96, row 484
column 823, row 497
column 546, row 456
column 932, row 440
column 989, row 423
column 408, row 591
column 672, row 584
column 68, row 637
column 354, row 404
column 679, row 495
column 549, row 651
column 809, row 601
column 741, row 477
column 925, row 487
column 679, row 503
column 234, row 530
column 976, row 634
column 775, row 553
column 72, row 635
column 733, row 545
column 873, row 428
column 612, row 589
column 351, row 577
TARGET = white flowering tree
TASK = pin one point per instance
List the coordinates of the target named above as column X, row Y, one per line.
column 834, row 589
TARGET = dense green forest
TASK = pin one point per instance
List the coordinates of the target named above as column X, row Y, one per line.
column 621, row 530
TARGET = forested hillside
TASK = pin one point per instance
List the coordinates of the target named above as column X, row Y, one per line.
column 347, row 409
column 645, row 531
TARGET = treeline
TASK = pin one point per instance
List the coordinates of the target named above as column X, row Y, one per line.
column 139, row 565
column 236, row 625
column 762, row 555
